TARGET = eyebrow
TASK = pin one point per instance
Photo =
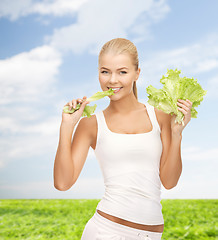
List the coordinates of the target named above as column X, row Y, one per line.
column 117, row 69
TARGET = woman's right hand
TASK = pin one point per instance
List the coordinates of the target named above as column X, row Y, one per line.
column 73, row 118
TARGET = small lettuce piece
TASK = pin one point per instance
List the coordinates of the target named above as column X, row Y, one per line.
column 176, row 87
column 88, row 110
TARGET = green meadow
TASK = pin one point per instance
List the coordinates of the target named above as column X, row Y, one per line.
column 66, row 218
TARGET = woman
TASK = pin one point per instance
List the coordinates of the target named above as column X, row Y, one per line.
column 137, row 146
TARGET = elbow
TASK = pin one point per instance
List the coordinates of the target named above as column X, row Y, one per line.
column 169, row 186
column 170, row 183
column 62, row 187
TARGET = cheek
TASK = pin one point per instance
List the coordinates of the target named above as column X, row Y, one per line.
column 127, row 81
column 103, row 80
column 103, row 76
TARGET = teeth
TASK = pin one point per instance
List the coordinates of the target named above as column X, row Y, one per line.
column 115, row 88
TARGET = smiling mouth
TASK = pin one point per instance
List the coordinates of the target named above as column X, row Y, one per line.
column 115, row 88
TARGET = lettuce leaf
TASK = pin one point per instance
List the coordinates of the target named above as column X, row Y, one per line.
column 88, row 110
column 176, row 87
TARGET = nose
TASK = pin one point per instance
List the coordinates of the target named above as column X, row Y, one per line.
column 113, row 79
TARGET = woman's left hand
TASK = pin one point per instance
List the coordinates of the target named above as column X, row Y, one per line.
column 185, row 108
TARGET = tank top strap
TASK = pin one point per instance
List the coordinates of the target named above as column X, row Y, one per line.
column 152, row 115
column 101, row 122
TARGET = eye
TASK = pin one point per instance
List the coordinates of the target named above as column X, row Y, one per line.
column 103, row 71
column 123, row 72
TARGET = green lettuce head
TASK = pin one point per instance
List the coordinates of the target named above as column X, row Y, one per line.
column 88, row 110
column 176, row 88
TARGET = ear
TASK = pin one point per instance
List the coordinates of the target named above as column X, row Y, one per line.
column 138, row 73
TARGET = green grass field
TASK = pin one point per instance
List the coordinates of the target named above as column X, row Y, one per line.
column 66, row 219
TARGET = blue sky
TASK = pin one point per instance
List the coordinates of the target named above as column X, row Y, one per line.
column 49, row 55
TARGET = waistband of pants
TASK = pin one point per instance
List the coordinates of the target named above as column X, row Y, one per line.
column 129, row 231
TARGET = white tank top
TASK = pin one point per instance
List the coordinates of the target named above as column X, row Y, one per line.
column 130, row 167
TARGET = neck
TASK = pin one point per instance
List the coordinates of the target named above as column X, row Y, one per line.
column 124, row 105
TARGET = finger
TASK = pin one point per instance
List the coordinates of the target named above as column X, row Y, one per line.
column 84, row 103
column 79, row 100
column 183, row 106
column 189, row 101
column 74, row 103
column 183, row 102
column 84, row 99
column 182, row 110
column 70, row 106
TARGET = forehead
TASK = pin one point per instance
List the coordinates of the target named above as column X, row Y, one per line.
column 110, row 60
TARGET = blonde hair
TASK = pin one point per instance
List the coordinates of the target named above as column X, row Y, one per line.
column 119, row 46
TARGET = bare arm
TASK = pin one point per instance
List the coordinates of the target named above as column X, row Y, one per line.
column 171, row 135
column 63, row 166
column 71, row 153
column 171, row 162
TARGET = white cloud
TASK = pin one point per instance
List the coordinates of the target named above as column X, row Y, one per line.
column 31, row 140
column 198, row 154
column 28, row 140
column 46, row 190
column 27, row 75
column 207, row 65
column 58, row 7
column 99, row 21
column 199, row 174
column 197, row 187
column 212, row 87
column 197, row 58
column 29, row 95
column 14, row 9
column 27, row 89
column 193, row 188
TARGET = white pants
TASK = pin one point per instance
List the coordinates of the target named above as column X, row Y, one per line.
column 101, row 228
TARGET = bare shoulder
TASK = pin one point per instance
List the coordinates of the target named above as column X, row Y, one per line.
column 88, row 123
column 162, row 117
